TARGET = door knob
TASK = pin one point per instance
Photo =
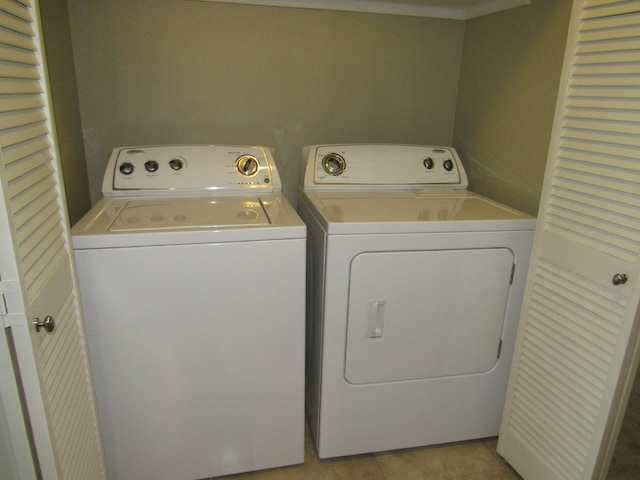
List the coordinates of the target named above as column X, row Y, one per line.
column 48, row 323
column 619, row 279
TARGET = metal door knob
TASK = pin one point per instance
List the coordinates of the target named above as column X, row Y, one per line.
column 619, row 279
column 48, row 323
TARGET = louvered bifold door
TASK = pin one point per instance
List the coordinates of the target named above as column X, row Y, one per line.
column 54, row 366
column 575, row 343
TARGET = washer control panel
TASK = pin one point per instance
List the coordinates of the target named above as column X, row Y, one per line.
column 382, row 166
column 185, row 169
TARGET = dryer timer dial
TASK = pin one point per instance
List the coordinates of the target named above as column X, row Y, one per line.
column 334, row 164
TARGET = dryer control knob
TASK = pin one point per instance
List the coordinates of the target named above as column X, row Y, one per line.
column 333, row 164
column 151, row 166
column 428, row 163
column 448, row 164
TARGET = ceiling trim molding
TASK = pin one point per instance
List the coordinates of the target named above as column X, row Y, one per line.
column 434, row 9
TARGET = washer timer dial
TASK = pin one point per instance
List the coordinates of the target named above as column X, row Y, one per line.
column 247, row 165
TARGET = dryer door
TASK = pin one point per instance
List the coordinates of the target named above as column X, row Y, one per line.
column 426, row 314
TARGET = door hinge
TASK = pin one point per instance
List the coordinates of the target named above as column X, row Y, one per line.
column 513, row 272
column 499, row 348
column 9, row 319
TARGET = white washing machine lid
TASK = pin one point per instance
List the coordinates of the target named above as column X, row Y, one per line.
column 175, row 220
column 168, row 214
column 411, row 211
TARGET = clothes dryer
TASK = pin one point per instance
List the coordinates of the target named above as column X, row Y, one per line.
column 191, row 272
column 414, row 286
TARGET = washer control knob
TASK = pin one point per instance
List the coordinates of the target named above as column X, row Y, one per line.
column 448, row 164
column 176, row 164
column 247, row 165
column 333, row 164
column 126, row 168
column 428, row 163
column 151, row 166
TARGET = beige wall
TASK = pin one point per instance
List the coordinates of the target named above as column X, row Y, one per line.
column 176, row 71
column 64, row 97
column 510, row 72
column 172, row 71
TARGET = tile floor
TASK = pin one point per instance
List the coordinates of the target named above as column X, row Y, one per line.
column 474, row 460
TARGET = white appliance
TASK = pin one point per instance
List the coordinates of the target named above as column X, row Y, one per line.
column 191, row 272
column 414, row 286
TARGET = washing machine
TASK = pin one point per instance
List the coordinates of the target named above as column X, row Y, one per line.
column 191, row 271
column 414, row 286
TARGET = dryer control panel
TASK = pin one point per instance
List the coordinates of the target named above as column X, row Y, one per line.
column 190, row 169
column 382, row 166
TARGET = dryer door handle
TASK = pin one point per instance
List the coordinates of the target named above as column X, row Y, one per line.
column 377, row 310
